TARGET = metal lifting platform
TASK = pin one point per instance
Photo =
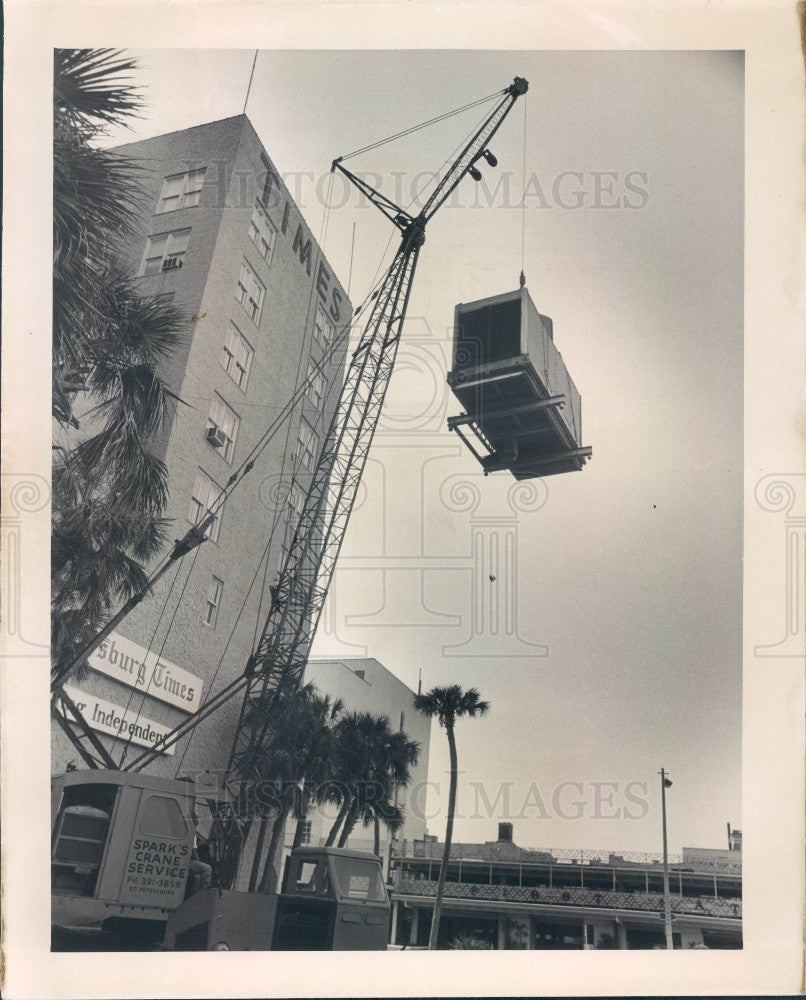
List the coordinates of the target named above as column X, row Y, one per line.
column 522, row 409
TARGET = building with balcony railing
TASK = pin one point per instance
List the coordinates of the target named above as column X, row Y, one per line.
column 499, row 895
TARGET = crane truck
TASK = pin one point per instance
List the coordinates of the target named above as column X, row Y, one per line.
column 123, row 840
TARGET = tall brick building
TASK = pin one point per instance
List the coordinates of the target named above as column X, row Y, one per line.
column 224, row 238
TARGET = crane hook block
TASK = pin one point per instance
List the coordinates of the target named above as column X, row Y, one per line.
column 518, row 87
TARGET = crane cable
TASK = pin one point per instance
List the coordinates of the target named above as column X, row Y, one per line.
column 249, row 86
column 285, row 411
column 523, row 201
column 280, row 501
column 263, row 561
column 288, row 408
column 328, row 354
column 450, row 158
column 416, row 128
column 145, row 660
column 238, row 475
column 132, row 727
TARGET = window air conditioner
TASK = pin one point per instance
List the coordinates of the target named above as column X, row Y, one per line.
column 216, row 436
column 172, row 263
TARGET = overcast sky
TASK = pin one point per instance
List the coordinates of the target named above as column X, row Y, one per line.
column 630, row 571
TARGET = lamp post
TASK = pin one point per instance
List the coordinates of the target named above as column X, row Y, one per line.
column 667, row 902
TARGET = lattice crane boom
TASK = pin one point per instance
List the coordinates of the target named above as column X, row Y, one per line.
column 307, row 570
column 300, row 593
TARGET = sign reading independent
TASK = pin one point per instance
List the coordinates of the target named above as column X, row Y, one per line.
column 114, row 720
column 139, row 668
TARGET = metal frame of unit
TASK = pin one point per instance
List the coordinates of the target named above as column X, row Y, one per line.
column 523, row 395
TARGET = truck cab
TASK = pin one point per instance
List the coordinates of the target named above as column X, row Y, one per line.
column 332, row 899
column 120, row 855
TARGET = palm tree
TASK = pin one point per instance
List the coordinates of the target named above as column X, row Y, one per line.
column 297, row 748
column 448, row 704
column 358, row 735
column 96, row 201
column 311, row 754
column 372, row 760
column 109, row 488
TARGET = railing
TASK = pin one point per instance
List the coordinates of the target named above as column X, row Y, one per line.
column 568, row 856
column 571, row 896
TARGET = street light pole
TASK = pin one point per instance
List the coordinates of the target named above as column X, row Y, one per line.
column 667, row 902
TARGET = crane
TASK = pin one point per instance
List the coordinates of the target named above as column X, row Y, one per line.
column 305, row 576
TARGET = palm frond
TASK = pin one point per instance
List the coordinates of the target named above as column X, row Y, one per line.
column 92, row 88
column 450, row 703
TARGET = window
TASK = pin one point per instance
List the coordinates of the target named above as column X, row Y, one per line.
column 162, row 817
column 165, row 252
column 237, row 357
column 222, row 428
column 262, row 233
column 205, row 496
column 78, row 851
column 250, row 292
column 310, row 877
column 315, row 389
column 307, row 446
column 214, row 592
column 359, row 879
column 323, row 329
column 293, row 509
column 305, row 834
column 181, row 190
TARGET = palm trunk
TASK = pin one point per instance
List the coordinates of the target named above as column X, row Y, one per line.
column 268, row 883
column 377, row 843
column 349, row 823
column 301, row 812
column 335, row 828
column 261, row 838
column 432, row 941
column 299, row 829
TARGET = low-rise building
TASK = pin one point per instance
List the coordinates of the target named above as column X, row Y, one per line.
column 499, row 895
column 365, row 685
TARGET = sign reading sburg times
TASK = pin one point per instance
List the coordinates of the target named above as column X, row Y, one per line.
column 113, row 720
column 139, row 668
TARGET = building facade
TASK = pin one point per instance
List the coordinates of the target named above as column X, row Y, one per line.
column 365, row 685
column 222, row 237
column 501, row 896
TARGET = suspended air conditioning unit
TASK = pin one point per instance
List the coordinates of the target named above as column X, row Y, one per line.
column 216, row 436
